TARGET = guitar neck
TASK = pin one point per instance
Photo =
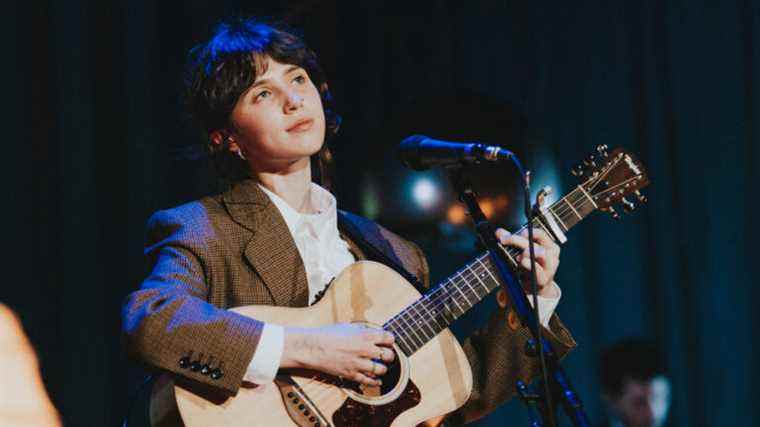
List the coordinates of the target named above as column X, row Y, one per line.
column 457, row 294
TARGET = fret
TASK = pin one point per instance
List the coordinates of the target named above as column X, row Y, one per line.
column 585, row 193
column 406, row 339
column 465, row 298
column 571, row 216
column 559, row 220
column 434, row 317
column 412, row 327
column 543, row 227
column 420, row 321
column 405, row 347
column 482, row 290
column 488, row 269
column 584, row 207
column 477, row 297
column 442, row 309
column 459, row 288
column 511, row 253
column 471, row 296
column 477, row 277
column 394, row 326
column 572, row 208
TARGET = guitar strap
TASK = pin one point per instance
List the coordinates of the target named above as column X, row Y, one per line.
column 366, row 234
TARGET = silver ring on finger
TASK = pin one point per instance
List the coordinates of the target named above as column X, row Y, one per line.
column 373, row 367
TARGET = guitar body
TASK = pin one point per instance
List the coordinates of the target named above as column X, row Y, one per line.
column 435, row 380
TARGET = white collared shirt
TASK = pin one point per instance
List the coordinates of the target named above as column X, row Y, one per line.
column 323, row 252
column 324, row 255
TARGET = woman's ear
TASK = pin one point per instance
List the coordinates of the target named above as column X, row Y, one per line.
column 217, row 137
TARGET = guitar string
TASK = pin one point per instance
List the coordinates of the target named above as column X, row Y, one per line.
column 475, row 268
column 563, row 210
column 442, row 290
column 456, row 276
column 609, row 169
column 432, row 293
column 441, row 295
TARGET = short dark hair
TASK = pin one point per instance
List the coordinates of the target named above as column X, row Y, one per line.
column 629, row 359
column 220, row 70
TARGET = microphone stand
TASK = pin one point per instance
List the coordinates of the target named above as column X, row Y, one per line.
column 555, row 380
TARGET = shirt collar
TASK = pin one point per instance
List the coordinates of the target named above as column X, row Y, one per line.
column 322, row 200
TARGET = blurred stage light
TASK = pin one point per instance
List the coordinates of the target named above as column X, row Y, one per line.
column 370, row 200
column 486, row 205
column 456, row 214
column 501, row 202
column 425, row 192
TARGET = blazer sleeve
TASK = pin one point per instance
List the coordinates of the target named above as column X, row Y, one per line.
column 497, row 357
column 168, row 323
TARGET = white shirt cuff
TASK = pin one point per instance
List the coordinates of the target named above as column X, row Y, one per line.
column 266, row 359
column 546, row 306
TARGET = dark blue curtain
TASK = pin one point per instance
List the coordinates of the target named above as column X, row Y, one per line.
column 94, row 130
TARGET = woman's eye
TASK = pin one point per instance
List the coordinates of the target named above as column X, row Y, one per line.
column 263, row 94
column 300, row 79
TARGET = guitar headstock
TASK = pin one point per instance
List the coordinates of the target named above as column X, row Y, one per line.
column 611, row 178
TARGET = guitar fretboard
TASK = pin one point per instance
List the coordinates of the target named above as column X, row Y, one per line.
column 447, row 301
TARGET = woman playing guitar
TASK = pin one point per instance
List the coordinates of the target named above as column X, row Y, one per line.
column 273, row 239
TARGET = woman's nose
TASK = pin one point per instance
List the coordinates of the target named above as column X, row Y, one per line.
column 294, row 101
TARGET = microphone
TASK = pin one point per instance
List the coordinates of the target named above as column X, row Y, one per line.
column 420, row 152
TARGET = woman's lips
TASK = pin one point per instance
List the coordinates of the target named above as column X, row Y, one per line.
column 301, row 125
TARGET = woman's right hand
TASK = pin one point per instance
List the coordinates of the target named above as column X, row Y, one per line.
column 345, row 350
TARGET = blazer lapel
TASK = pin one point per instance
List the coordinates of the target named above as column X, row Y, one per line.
column 271, row 250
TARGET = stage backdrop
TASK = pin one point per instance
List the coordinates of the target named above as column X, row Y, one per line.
column 94, row 134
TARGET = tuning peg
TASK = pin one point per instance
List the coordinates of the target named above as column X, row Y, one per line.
column 578, row 170
column 589, row 161
column 613, row 212
column 628, row 205
column 602, row 150
column 642, row 198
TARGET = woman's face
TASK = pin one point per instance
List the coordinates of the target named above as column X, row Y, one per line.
column 279, row 122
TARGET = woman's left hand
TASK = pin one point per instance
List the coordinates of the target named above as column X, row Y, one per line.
column 547, row 258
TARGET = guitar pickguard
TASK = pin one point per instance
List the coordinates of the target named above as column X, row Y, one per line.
column 353, row 413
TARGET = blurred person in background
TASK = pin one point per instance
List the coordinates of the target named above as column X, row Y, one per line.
column 635, row 389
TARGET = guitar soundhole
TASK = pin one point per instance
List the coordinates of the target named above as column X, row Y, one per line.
column 390, row 381
column 391, row 378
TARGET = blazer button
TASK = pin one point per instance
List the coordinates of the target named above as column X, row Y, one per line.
column 184, row 362
column 195, row 366
column 205, row 370
column 216, row 374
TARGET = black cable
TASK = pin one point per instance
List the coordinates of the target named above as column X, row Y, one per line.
column 534, row 290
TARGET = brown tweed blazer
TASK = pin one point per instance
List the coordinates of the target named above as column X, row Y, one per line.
column 235, row 249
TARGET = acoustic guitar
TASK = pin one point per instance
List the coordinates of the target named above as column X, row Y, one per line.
column 431, row 376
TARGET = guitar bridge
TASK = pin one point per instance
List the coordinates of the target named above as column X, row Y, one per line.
column 300, row 408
